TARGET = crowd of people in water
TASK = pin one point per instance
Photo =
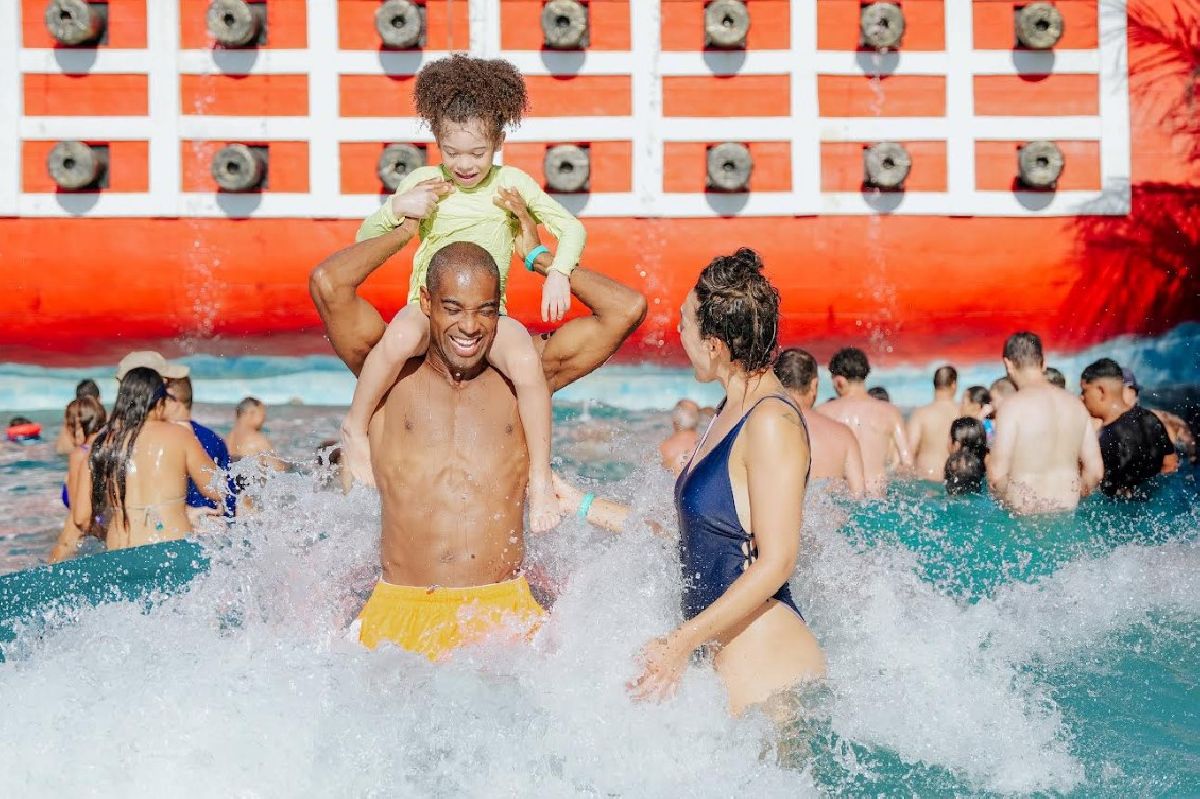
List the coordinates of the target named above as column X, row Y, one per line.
column 859, row 438
column 450, row 422
column 146, row 471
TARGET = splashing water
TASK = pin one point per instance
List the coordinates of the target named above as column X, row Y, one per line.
column 969, row 653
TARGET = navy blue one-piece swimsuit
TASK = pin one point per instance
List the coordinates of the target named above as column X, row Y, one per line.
column 714, row 548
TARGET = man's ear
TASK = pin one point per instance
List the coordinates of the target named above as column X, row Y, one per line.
column 426, row 301
column 839, row 384
column 1008, row 367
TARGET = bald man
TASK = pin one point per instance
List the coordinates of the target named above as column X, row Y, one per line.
column 678, row 448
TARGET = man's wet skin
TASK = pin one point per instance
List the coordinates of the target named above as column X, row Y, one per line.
column 678, row 447
column 448, row 453
column 834, row 451
column 877, row 425
column 460, row 522
column 1046, row 454
column 929, row 428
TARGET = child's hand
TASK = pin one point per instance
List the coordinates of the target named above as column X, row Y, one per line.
column 556, row 296
column 356, row 456
column 419, row 201
column 511, row 200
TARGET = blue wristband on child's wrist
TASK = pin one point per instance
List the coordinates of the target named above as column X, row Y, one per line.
column 585, row 506
column 533, row 254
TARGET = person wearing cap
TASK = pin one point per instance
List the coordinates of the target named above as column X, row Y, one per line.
column 1177, row 429
column 148, row 359
column 178, row 408
column 1133, row 442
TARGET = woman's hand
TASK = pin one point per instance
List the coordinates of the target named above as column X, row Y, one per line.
column 419, row 201
column 663, row 662
column 527, row 237
column 569, row 497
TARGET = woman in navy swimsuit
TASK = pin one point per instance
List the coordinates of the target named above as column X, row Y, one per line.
column 740, row 502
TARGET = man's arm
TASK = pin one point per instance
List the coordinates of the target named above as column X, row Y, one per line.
column 353, row 325
column 999, row 460
column 582, row 344
column 853, row 469
column 585, row 343
column 1091, row 461
column 913, row 432
column 903, row 453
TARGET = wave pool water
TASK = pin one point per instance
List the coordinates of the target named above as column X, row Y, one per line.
column 970, row 654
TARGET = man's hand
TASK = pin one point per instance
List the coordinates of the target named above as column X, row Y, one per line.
column 419, row 201
column 527, row 238
column 556, row 296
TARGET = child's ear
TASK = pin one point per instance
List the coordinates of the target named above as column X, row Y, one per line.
column 500, row 140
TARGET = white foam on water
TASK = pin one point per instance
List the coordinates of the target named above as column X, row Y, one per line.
column 248, row 686
column 942, row 681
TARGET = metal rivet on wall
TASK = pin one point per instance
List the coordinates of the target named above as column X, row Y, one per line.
column 882, row 25
column 568, row 168
column 726, row 23
column 1039, row 164
column 75, row 22
column 729, row 166
column 565, row 25
column 886, row 165
column 239, row 167
column 1039, row 26
column 235, row 23
column 400, row 23
column 396, row 162
column 74, row 165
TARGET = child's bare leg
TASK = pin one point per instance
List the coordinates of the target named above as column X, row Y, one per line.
column 406, row 337
column 513, row 354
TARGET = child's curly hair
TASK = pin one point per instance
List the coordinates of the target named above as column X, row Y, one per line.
column 460, row 87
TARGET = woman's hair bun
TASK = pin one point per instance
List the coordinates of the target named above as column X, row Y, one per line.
column 739, row 306
column 732, row 271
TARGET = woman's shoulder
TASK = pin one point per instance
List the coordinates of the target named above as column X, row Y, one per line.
column 774, row 422
column 168, row 431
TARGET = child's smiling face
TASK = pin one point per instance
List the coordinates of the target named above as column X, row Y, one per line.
column 467, row 150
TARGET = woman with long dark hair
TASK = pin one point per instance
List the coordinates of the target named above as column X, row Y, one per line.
column 132, row 490
column 83, row 420
column 740, row 501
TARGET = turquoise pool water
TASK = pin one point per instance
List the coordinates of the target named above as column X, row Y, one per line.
column 970, row 653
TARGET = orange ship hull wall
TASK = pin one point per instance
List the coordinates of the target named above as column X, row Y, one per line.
column 910, row 285
column 941, row 287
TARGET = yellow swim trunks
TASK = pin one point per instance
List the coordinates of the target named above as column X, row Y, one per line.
column 436, row 621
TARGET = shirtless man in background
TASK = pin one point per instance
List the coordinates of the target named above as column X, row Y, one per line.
column 678, row 448
column 929, row 426
column 1046, row 454
column 247, row 440
column 876, row 424
column 833, row 449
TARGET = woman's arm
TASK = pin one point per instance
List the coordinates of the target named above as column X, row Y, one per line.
column 67, row 543
column 776, row 459
column 80, row 492
column 603, row 513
